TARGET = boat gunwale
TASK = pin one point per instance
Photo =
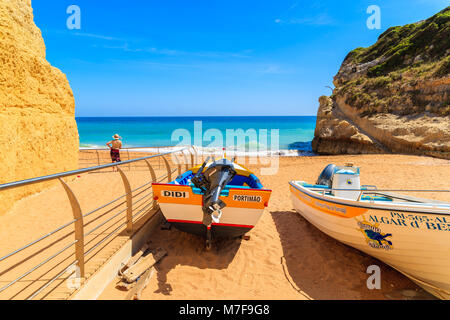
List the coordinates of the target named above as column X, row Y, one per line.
column 185, row 185
column 373, row 205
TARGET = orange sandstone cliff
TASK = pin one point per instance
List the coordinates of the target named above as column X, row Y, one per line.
column 393, row 97
column 38, row 132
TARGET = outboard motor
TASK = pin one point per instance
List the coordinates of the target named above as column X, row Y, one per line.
column 212, row 182
column 326, row 177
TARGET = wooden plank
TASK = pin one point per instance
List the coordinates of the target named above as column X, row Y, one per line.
column 135, row 271
column 125, row 286
column 135, row 293
column 134, row 258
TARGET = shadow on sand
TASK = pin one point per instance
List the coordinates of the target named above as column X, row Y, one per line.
column 186, row 249
column 323, row 268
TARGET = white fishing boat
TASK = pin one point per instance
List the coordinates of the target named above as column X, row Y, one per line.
column 216, row 200
column 410, row 234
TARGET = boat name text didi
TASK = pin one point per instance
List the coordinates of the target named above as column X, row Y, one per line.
column 175, row 194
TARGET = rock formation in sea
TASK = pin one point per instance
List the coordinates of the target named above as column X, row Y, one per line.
column 393, row 97
column 38, row 132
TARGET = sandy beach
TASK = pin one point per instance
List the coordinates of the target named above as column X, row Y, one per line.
column 285, row 258
column 223, row 74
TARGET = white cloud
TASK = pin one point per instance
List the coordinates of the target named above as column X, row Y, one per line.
column 81, row 34
column 171, row 52
column 96, row 36
column 319, row 20
column 294, row 5
column 275, row 69
column 271, row 70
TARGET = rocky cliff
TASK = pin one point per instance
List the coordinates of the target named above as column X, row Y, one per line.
column 38, row 132
column 393, row 97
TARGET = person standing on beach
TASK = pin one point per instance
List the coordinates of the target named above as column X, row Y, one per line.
column 115, row 146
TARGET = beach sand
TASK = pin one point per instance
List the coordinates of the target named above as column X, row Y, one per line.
column 285, row 258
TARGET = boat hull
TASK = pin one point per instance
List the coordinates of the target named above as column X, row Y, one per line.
column 416, row 243
column 182, row 207
column 217, row 230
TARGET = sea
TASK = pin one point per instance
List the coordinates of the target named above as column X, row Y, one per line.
column 286, row 136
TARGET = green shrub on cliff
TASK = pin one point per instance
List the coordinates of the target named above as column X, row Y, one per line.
column 404, row 63
column 378, row 83
column 412, row 44
column 444, row 69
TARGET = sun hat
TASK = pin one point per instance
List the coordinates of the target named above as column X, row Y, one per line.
column 117, row 137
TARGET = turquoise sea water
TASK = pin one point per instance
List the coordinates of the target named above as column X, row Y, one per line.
column 295, row 133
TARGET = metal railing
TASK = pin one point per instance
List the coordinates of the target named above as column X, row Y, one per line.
column 89, row 230
column 386, row 193
column 98, row 156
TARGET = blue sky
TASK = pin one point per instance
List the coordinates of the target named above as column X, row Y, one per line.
column 209, row 57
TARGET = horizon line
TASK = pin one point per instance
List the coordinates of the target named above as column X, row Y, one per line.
column 207, row 116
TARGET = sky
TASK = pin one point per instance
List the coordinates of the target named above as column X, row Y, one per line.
column 210, row 57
